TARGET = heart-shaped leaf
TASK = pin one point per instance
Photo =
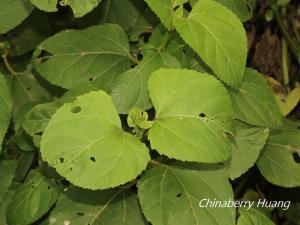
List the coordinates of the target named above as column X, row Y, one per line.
column 193, row 116
column 85, row 142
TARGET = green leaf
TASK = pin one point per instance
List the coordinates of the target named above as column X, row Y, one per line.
column 25, row 89
column 218, row 37
column 193, row 116
column 5, row 109
column 80, row 8
column 130, row 89
column 13, row 13
column 248, row 144
column 254, row 102
column 101, row 147
column 3, row 205
column 145, row 23
column 29, row 34
column 171, row 196
column 253, row 217
column 7, row 173
column 32, row 199
column 242, row 8
column 48, row 6
column 108, row 207
column 277, row 163
column 38, row 117
column 125, row 13
column 71, row 57
column 165, row 10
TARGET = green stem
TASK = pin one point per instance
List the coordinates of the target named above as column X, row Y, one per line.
column 292, row 45
column 285, row 65
column 156, row 163
column 134, row 60
column 7, row 64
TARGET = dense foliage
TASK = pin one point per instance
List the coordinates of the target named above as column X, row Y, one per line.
column 130, row 112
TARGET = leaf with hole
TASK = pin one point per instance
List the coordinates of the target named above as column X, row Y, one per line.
column 97, row 54
column 38, row 117
column 102, row 147
column 193, row 116
column 108, row 207
column 170, row 195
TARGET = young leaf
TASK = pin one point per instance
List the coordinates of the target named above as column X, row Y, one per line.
column 13, row 13
column 108, row 207
column 130, row 90
column 171, row 196
column 254, row 102
column 80, row 8
column 5, row 109
column 7, row 173
column 253, row 217
column 218, row 36
column 138, row 119
column 32, row 199
column 99, row 54
column 278, row 162
column 165, row 10
column 193, row 116
column 101, row 148
column 248, row 144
